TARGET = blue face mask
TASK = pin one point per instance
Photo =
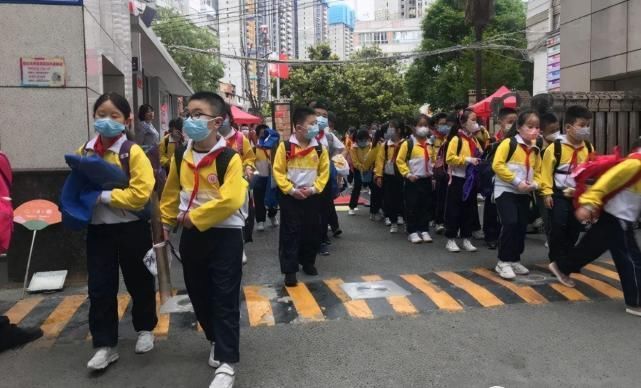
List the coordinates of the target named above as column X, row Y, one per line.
column 225, row 128
column 322, row 122
column 108, row 127
column 196, row 129
column 312, row 132
column 443, row 129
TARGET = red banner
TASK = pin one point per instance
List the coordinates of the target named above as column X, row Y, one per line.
column 279, row 70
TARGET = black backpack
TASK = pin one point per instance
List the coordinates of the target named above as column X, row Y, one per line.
column 558, row 150
column 288, row 149
column 222, row 161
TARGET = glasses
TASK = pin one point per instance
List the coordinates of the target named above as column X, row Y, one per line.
column 197, row 115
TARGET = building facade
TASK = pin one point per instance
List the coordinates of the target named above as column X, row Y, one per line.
column 543, row 37
column 400, row 9
column 392, row 36
column 341, row 19
column 600, row 45
column 311, row 25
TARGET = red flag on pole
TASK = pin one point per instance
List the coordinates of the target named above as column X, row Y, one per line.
column 279, row 70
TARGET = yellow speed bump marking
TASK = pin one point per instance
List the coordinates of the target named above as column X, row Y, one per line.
column 21, row 309
column 570, row 294
column 600, row 286
column 259, row 308
column 400, row 304
column 528, row 294
column 440, row 298
column 603, row 271
column 306, row 306
column 355, row 308
column 61, row 315
column 482, row 295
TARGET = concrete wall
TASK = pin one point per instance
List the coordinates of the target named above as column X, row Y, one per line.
column 600, row 43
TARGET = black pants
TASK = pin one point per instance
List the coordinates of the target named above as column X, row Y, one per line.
column 376, row 199
column 108, row 246
column 248, row 229
column 514, row 210
column 328, row 214
column 564, row 228
column 545, row 215
column 459, row 214
column 440, row 199
column 491, row 223
column 617, row 236
column 393, row 197
column 418, row 199
column 212, row 266
column 299, row 238
column 261, row 185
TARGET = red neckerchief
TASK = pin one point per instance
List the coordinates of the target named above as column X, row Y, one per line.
column 500, row 135
column 233, row 140
column 204, row 162
column 100, row 147
column 320, row 135
column 470, row 142
column 527, row 150
column 293, row 154
column 426, row 155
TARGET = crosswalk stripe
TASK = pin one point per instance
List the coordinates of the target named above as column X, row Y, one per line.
column 609, row 261
column 123, row 302
column 528, row 294
column 305, row 303
column 570, row 294
column 355, row 308
column 602, row 271
column 259, row 308
column 600, row 286
column 400, row 304
column 440, row 298
column 57, row 320
column 22, row 308
column 482, row 295
column 162, row 327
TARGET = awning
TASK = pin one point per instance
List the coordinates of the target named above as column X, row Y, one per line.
column 483, row 108
column 157, row 62
column 242, row 117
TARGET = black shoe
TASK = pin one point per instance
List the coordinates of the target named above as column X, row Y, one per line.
column 491, row 244
column 323, row 251
column 15, row 337
column 326, row 242
column 337, row 232
column 290, row 280
column 310, row 270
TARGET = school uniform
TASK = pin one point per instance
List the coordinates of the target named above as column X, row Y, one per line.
column 385, row 168
column 376, row 200
column 359, row 161
column 440, row 182
column 328, row 215
column 459, row 213
column 513, row 206
column 116, row 236
column 418, row 195
column 262, row 183
column 167, row 148
column 614, row 231
column 212, row 250
column 556, row 176
column 241, row 144
column 299, row 238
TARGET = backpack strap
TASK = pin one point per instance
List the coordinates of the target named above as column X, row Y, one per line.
column 459, row 145
column 589, row 147
column 167, row 145
column 319, row 149
column 513, row 144
column 178, row 158
column 123, row 156
column 558, row 152
column 222, row 162
column 410, row 148
column 288, row 149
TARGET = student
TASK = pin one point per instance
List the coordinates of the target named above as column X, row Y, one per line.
column 262, row 181
column 463, row 155
column 550, row 128
column 388, row 178
column 491, row 222
column 516, row 163
column 117, row 237
column 557, row 183
column 362, row 175
column 336, row 148
column 171, row 141
column 414, row 163
column 206, row 194
column 301, row 170
column 438, row 145
column 376, row 193
column 612, row 205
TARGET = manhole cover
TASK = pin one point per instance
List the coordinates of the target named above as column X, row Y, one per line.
column 376, row 289
column 177, row 304
column 534, row 278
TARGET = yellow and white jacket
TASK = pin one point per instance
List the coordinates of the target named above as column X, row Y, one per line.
column 166, row 148
column 457, row 163
column 263, row 161
column 214, row 205
column 435, row 145
column 511, row 173
column 298, row 172
column 386, row 166
column 116, row 206
column 625, row 204
column 247, row 156
column 550, row 178
column 359, row 156
column 417, row 165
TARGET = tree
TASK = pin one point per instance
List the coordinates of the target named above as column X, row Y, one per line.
column 358, row 93
column 201, row 71
column 443, row 80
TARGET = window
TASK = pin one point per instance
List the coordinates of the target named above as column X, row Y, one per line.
column 407, row 36
column 373, row 37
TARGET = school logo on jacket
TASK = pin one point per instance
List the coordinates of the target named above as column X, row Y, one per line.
column 315, row 158
column 212, row 179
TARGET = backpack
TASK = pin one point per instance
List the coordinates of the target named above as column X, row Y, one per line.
column 288, row 149
column 486, row 172
column 558, row 150
column 587, row 173
column 6, row 209
column 385, row 147
column 440, row 165
column 239, row 142
column 222, row 162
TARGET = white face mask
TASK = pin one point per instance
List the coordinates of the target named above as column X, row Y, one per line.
column 422, row 132
column 473, row 127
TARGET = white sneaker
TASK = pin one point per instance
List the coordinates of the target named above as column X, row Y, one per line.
column 451, row 246
column 224, row 377
column 439, row 229
column 546, row 244
column 478, row 235
column 393, row 228
column 467, row 245
column 372, row 217
column 388, row 222
column 400, row 221
column 102, row 358
column 426, row 237
column 212, row 362
column 538, row 223
column 351, row 212
column 145, row 342
column 560, row 276
column 274, row 221
column 505, row 270
column 260, row 226
column 636, row 311
column 414, row 238
column 519, row 269
column 244, row 258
